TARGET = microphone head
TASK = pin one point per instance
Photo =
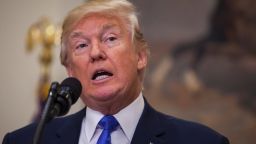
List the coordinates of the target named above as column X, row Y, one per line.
column 75, row 87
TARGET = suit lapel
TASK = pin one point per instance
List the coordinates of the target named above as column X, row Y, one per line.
column 150, row 128
column 70, row 131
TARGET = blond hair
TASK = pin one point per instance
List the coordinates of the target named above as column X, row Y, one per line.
column 121, row 8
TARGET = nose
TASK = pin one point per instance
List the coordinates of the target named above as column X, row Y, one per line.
column 97, row 52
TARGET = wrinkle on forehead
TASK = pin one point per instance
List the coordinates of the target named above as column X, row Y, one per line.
column 104, row 28
column 105, row 23
column 111, row 20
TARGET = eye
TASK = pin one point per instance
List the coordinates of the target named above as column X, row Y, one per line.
column 112, row 38
column 109, row 37
column 82, row 45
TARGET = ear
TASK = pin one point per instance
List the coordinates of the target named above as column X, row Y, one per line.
column 142, row 59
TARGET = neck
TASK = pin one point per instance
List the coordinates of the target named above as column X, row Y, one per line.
column 116, row 104
column 115, row 107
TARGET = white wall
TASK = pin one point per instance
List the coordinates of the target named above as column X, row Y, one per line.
column 19, row 71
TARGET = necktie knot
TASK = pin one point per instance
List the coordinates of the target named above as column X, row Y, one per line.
column 108, row 123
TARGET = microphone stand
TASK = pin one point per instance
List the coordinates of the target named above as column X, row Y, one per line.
column 47, row 114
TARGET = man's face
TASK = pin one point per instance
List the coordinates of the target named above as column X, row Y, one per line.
column 102, row 57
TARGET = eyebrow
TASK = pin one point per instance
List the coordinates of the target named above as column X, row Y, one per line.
column 104, row 28
column 76, row 34
column 108, row 27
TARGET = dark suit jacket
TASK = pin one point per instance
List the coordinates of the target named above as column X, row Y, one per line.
column 153, row 128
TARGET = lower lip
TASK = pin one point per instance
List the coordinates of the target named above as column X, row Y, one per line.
column 103, row 80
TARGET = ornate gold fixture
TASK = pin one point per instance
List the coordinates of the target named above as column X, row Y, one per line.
column 44, row 33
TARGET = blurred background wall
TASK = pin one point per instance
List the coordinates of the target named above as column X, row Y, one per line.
column 19, row 69
column 179, row 81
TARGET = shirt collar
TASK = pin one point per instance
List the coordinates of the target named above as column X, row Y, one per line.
column 91, row 121
column 128, row 118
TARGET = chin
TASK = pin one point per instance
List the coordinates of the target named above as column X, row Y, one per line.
column 105, row 94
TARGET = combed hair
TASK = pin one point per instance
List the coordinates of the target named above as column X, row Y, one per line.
column 120, row 8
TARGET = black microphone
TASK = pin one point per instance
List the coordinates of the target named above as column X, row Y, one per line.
column 60, row 98
column 67, row 94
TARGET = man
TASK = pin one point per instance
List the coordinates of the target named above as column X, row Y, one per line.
column 103, row 47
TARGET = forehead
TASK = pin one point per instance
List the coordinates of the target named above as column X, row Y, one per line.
column 98, row 22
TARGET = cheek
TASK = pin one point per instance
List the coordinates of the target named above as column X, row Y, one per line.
column 127, row 65
column 79, row 66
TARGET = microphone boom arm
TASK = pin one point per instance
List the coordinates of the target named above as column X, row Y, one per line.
column 46, row 117
column 59, row 100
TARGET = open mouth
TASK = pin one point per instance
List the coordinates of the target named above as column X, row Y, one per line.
column 101, row 74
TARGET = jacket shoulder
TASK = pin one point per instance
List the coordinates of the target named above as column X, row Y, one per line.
column 26, row 133
column 190, row 132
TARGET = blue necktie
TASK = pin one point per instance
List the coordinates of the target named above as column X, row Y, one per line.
column 108, row 123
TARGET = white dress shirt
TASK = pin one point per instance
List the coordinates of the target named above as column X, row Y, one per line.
column 128, row 119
